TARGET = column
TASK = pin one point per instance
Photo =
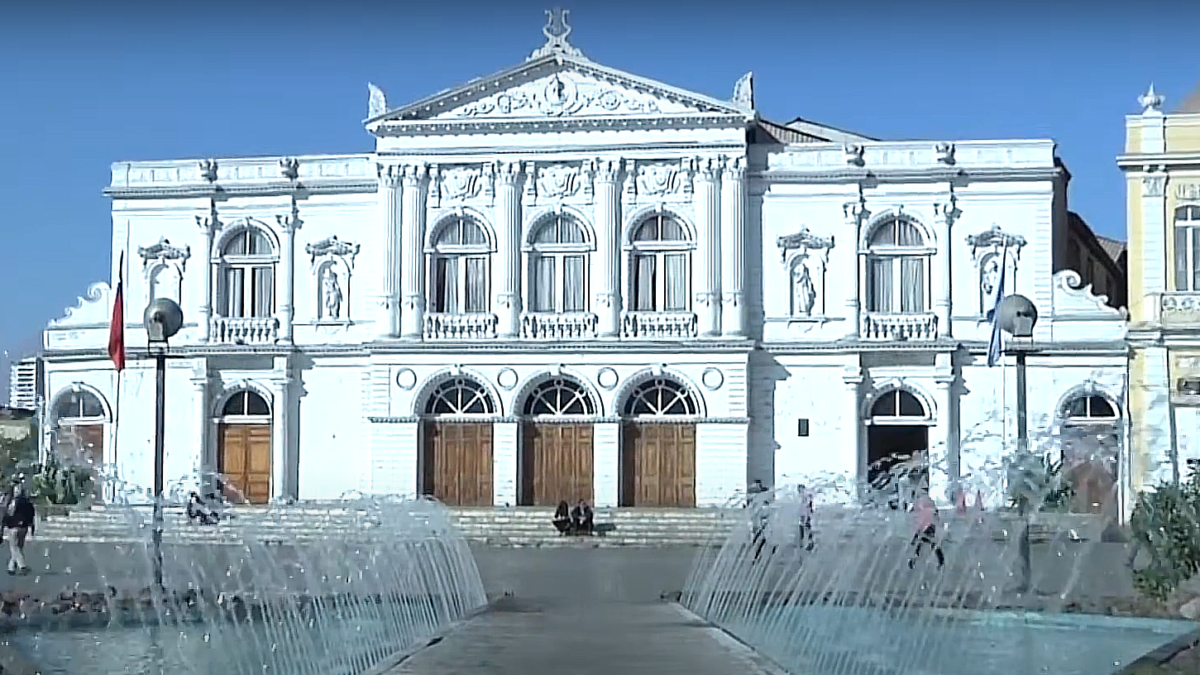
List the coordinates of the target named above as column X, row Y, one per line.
column 732, row 253
column 707, row 263
column 204, row 460
column 853, row 428
column 943, row 445
column 208, row 226
column 287, row 269
column 853, row 211
column 942, row 272
column 412, row 226
column 389, row 219
column 506, row 272
column 606, row 273
column 281, row 441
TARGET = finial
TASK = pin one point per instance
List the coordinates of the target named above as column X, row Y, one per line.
column 556, row 31
column 376, row 101
column 1151, row 101
column 743, row 91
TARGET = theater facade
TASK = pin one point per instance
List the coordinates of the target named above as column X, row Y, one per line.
column 566, row 281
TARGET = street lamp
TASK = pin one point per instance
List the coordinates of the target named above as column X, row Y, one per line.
column 1017, row 316
column 163, row 319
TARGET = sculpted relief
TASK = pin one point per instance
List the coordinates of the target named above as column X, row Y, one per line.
column 333, row 264
column 163, row 264
column 565, row 94
column 995, row 253
column 805, row 256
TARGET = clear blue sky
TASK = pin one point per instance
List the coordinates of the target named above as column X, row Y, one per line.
column 86, row 84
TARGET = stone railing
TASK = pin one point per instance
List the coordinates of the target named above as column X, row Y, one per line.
column 460, row 326
column 1179, row 309
column 550, row 326
column 899, row 327
column 658, row 325
column 244, row 330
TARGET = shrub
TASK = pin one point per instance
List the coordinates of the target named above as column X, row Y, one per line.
column 1166, row 527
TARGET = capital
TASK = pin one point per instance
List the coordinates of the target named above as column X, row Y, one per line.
column 210, row 223
column 947, row 211
column 735, row 169
column 608, row 170
column 389, row 175
column 508, row 173
column 707, row 169
column 414, row 174
column 291, row 222
column 855, row 210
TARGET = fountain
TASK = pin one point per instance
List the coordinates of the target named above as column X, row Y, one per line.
column 855, row 605
column 347, row 590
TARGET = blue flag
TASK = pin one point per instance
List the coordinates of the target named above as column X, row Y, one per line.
column 996, row 344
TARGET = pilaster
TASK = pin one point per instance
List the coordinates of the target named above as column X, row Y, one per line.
column 732, row 251
column 607, row 272
column 1154, row 238
column 204, row 458
column 208, row 227
column 507, row 271
column 389, row 221
column 854, row 212
column 944, row 472
column 281, row 436
column 943, row 272
column 852, row 378
column 707, row 275
column 287, row 269
column 414, row 184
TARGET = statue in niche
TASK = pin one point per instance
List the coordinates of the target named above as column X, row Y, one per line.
column 331, row 294
column 989, row 280
column 804, row 292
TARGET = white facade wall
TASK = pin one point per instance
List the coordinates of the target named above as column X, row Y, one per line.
column 347, row 382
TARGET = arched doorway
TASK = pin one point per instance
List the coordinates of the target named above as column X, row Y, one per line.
column 557, row 439
column 658, row 453
column 80, row 424
column 456, row 453
column 244, row 455
column 897, row 447
column 1090, row 443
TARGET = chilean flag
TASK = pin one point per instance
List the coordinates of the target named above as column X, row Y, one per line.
column 116, row 329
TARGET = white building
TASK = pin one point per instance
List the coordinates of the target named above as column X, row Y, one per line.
column 565, row 281
column 24, row 383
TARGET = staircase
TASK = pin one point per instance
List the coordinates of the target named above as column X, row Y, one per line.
column 311, row 522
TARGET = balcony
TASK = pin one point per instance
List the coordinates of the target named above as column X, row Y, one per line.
column 244, row 330
column 899, row 327
column 460, row 326
column 658, row 325
column 553, row 326
column 1180, row 310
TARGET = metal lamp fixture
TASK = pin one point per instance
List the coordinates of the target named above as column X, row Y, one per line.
column 163, row 319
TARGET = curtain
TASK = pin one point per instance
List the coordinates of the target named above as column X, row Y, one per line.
column 1182, row 280
column 477, row 285
column 676, row 281
column 543, row 284
column 879, row 285
column 573, row 284
column 445, row 291
column 1194, row 233
column 907, row 234
column 264, row 291
column 235, row 289
column 912, row 285
column 643, row 283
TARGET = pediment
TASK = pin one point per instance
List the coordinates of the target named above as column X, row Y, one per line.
column 554, row 87
column 93, row 308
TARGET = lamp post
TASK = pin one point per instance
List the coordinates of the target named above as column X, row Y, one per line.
column 1017, row 316
column 163, row 319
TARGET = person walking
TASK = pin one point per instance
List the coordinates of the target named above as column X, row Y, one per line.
column 925, row 518
column 806, row 517
column 20, row 519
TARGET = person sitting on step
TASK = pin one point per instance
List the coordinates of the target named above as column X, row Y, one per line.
column 583, row 518
column 198, row 511
column 562, row 518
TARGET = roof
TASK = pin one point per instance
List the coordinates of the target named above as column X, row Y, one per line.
column 1115, row 248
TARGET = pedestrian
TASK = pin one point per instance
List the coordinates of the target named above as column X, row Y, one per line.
column 925, row 519
column 20, row 519
column 806, row 517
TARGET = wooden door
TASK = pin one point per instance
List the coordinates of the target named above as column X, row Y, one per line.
column 658, row 465
column 458, row 463
column 556, row 464
column 85, row 449
column 245, row 462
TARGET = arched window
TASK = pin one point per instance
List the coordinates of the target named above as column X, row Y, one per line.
column 558, row 266
column 1090, row 445
column 659, row 397
column 661, row 265
column 246, row 403
column 460, row 396
column 458, row 268
column 81, row 405
column 897, row 268
column 898, row 403
column 1089, row 409
column 247, row 280
column 1187, row 248
column 559, row 396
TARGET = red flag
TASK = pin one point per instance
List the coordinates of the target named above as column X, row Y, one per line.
column 116, row 329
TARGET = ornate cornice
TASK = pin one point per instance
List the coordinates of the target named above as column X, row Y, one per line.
column 164, row 251
column 589, row 123
column 911, row 175
column 258, row 189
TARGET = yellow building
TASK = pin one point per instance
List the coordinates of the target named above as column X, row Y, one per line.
column 1162, row 169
